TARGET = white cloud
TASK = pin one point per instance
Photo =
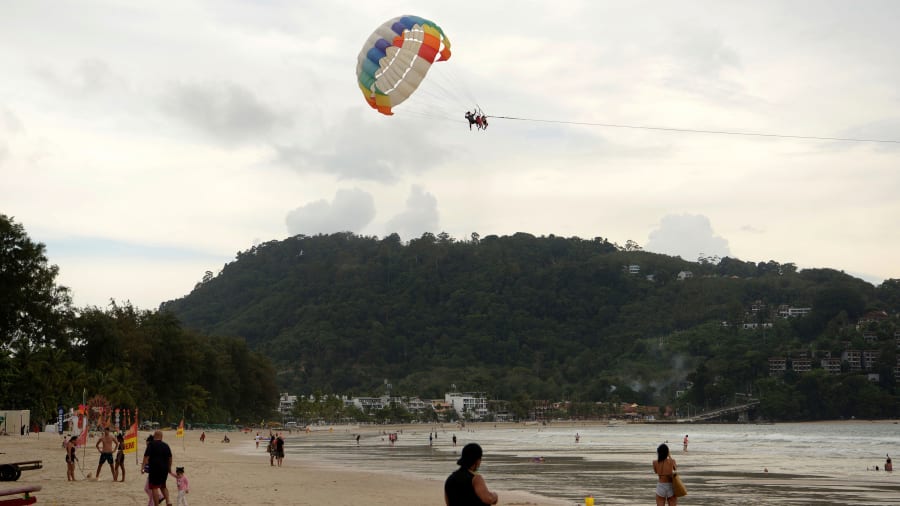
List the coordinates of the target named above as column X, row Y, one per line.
column 687, row 236
column 351, row 210
column 420, row 216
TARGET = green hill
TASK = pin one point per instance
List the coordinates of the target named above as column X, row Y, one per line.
column 544, row 318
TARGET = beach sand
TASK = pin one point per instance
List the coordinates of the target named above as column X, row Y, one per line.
column 222, row 474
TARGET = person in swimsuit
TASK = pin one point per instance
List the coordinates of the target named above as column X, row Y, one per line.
column 465, row 487
column 70, row 458
column 664, row 467
column 120, row 458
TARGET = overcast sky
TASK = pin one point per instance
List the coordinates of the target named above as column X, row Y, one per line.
column 147, row 142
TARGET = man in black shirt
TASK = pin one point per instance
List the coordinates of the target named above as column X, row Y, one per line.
column 158, row 463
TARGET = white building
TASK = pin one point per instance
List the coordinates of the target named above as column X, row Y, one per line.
column 286, row 404
column 473, row 403
column 683, row 275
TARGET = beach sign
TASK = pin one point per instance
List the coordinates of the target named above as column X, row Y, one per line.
column 131, row 439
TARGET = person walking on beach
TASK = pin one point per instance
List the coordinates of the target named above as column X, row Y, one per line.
column 279, row 449
column 158, row 464
column 454, row 440
column 685, row 443
column 888, row 465
column 465, row 487
column 155, row 492
column 119, row 470
column 184, row 487
column 664, row 467
column 106, row 453
column 71, row 458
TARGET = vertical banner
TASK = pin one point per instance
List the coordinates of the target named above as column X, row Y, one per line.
column 60, row 416
column 131, row 438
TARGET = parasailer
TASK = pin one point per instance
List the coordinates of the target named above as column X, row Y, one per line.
column 471, row 117
column 396, row 57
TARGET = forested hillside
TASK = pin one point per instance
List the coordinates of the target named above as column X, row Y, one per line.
column 544, row 318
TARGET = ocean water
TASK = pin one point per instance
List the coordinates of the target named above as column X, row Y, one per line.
column 778, row 464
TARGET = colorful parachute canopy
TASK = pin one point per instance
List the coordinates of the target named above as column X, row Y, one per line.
column 396, row 58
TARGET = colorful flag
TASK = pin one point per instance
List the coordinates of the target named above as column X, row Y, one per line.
column 131, row 439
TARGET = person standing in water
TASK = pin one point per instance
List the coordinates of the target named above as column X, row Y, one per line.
column 685, row 443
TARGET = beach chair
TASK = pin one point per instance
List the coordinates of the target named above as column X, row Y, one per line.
column 26, row 497
column 12, row 471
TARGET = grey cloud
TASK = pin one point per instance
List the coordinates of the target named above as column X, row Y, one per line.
column 89, row 77
column 226, row 111
column 360, row 148
column 420, row 216
column 687, row 236
column 351, row 210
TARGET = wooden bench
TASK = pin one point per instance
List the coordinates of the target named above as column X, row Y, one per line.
column 26, row 498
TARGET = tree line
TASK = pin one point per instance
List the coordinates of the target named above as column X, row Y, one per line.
column 55, row 355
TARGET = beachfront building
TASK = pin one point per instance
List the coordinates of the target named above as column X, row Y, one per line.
column 372, row 404
column 286, row 405
column 468, row 405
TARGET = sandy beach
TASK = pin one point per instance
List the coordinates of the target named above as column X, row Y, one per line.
column 223, row 474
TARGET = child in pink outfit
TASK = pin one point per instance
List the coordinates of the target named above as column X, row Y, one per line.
column 183, row 486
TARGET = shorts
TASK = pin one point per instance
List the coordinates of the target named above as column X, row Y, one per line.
column 157, row 480
column 665, row 490
column 106, row 457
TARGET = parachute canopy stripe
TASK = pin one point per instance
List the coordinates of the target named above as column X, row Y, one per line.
column 395, row 59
